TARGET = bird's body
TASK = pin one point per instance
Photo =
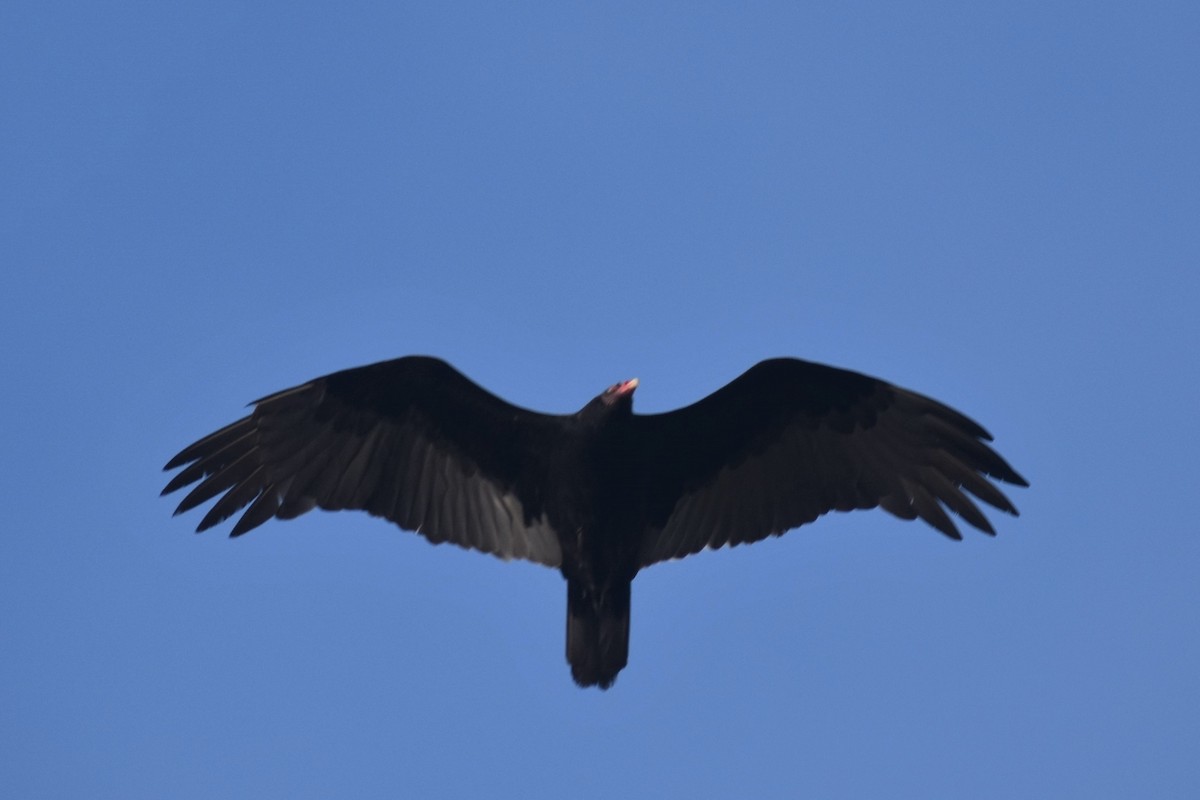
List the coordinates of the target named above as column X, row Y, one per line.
column 602, row 493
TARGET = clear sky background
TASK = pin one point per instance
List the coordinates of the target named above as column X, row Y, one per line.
column 997, row 204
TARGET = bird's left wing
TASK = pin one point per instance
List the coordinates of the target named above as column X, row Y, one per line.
column 791, row 440
column 411, row 440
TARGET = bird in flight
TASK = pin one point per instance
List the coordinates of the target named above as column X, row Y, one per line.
column 602, row 493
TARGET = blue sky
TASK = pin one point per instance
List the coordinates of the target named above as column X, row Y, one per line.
column 993, row 204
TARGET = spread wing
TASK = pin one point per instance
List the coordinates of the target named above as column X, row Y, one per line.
column 790, row 440
column 410, row 440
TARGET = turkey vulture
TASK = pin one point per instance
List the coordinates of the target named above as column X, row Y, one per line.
column 601, row 493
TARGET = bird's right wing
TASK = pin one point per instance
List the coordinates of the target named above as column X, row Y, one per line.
column 791, row 440
column 411, row 440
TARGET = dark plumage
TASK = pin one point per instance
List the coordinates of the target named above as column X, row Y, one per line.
column 601, row 493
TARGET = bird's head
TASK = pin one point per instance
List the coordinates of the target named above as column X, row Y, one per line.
column 617, row 399
column 620, row 393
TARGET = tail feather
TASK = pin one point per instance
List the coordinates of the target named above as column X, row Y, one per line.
column 597, row 632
